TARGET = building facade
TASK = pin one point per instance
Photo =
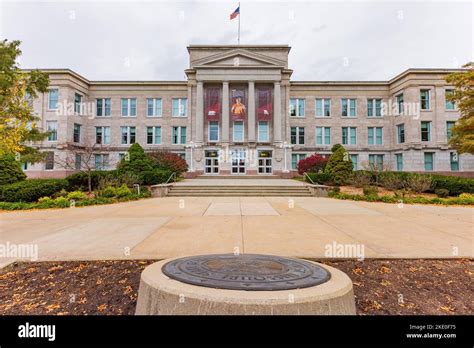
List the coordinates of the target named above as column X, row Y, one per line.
column 239, row 113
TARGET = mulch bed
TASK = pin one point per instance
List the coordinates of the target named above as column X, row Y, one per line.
column 398, row 286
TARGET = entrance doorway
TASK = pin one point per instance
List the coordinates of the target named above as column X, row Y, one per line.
column 238, row 158
column 211, row 161
column 264, row 162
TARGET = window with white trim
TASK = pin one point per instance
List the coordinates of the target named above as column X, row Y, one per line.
column 180, row 107
column 52, row 127
column 129, row 107
column 153, row 107
column 348, row 107
column 263, row 133
column 128, row 135
column 349, row 135
column 238, row 131
column 178, row 136
column 103, row 107
column 323, row 107
column 297, row 106
column 323, row 135
column 374, row 107
column 102, row 135
column 53, row 99
column 297, row 135
column 153, row 135
column 213, row 131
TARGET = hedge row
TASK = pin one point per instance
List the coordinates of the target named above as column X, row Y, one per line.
column 453, row 184
column 79, row 181
column 406, row 200
column 31, row 190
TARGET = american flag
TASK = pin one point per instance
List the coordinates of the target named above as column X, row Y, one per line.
column 235, row 13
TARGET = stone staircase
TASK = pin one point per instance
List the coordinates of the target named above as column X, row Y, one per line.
column 232, row 191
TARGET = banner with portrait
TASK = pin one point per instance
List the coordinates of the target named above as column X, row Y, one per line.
column 238, row 103
column 212, row 103
column 264, row 103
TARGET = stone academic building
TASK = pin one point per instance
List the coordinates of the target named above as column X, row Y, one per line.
column 239, row 113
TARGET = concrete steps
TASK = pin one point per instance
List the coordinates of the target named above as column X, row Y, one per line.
column 228, row 191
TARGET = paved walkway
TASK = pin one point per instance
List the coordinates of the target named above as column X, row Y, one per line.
column 302, row 227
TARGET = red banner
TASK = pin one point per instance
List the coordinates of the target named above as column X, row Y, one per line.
column 212, row 103
column 238, row 103
column 264, row 104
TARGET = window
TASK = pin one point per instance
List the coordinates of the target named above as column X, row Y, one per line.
column 153, row 107
column 263, row 131
column 77, row 103
column 180, row 106
column 178, row 135
column 295, row 158
column 425, row 130
column 374, row 107
column 428, row 160
column 24, row 166
column 355, row 162
column 102, row 135
column 323, row 107
column 78, row 161
column 399, row 101
column 376, row 162
column 349, row 135
column 297, row 107
column 128, row 135
column 449, row 129
column 49, row 161
column 449, row 105
column 101, row 161
column 77, row 133
column 349, row 107
column 454, row 160
column 213, row 131
column 52, row 127
column 399, row 159
column 323, row 135
column 53, row 98
column 129, row 107
column 103, row 107
column 401, row 133
column 153, row 135
column 297, row 135
column 238, row 131
column 375, row 136
column 425, row 99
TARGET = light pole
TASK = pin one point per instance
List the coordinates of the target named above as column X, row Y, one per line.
column 191, row 145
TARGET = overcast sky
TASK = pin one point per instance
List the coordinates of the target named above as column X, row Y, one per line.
column 146, row 40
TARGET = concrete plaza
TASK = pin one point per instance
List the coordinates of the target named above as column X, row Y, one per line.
column 301, row 227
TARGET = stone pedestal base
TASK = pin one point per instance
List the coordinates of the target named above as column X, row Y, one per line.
column 161, row 295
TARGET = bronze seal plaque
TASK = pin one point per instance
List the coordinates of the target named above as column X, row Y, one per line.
column 246, row 272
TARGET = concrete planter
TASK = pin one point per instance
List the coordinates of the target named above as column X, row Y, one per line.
column 160, row 190
column 318, row 190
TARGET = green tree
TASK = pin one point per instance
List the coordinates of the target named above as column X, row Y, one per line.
column 10, row 170
column 135, row 162
column 463, row 132
column 339, row 165
column 17, row 89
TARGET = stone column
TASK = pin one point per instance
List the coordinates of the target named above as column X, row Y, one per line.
column 277, row 112
column 251, row 112
column 199, row 113
column 225, row 112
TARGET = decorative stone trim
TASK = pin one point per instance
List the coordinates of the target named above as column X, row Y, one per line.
column 160, row 190
column 318, row 190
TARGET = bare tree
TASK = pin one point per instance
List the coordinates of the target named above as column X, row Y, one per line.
column 81, row 158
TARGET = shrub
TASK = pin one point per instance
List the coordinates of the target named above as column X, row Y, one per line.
column 46, row 202
column 319, row 178
column 339, row 165
column 62, row 202
column 466, row 196
column 312, row 164
column 109, row 192
column 393, row 180
column 361, row 178
column 123, row 191
column 371, row 191
column 336, row 189
column 79, row 181
column 442, row 192
column 454, row 184
column 31, row 190
column 76, row 195
column 168, row 161
column 10, row 170
column 419, row 182
column 155, row 176
column 135, row 163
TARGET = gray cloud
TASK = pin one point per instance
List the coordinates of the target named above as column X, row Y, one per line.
column 146, row 40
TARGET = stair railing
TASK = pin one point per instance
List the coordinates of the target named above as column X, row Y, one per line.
column 309, row 178
column 172, row 176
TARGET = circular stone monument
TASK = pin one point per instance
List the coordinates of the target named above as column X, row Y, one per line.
column 243, row 284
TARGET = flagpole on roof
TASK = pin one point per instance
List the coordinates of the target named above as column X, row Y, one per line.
column 238, row 38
